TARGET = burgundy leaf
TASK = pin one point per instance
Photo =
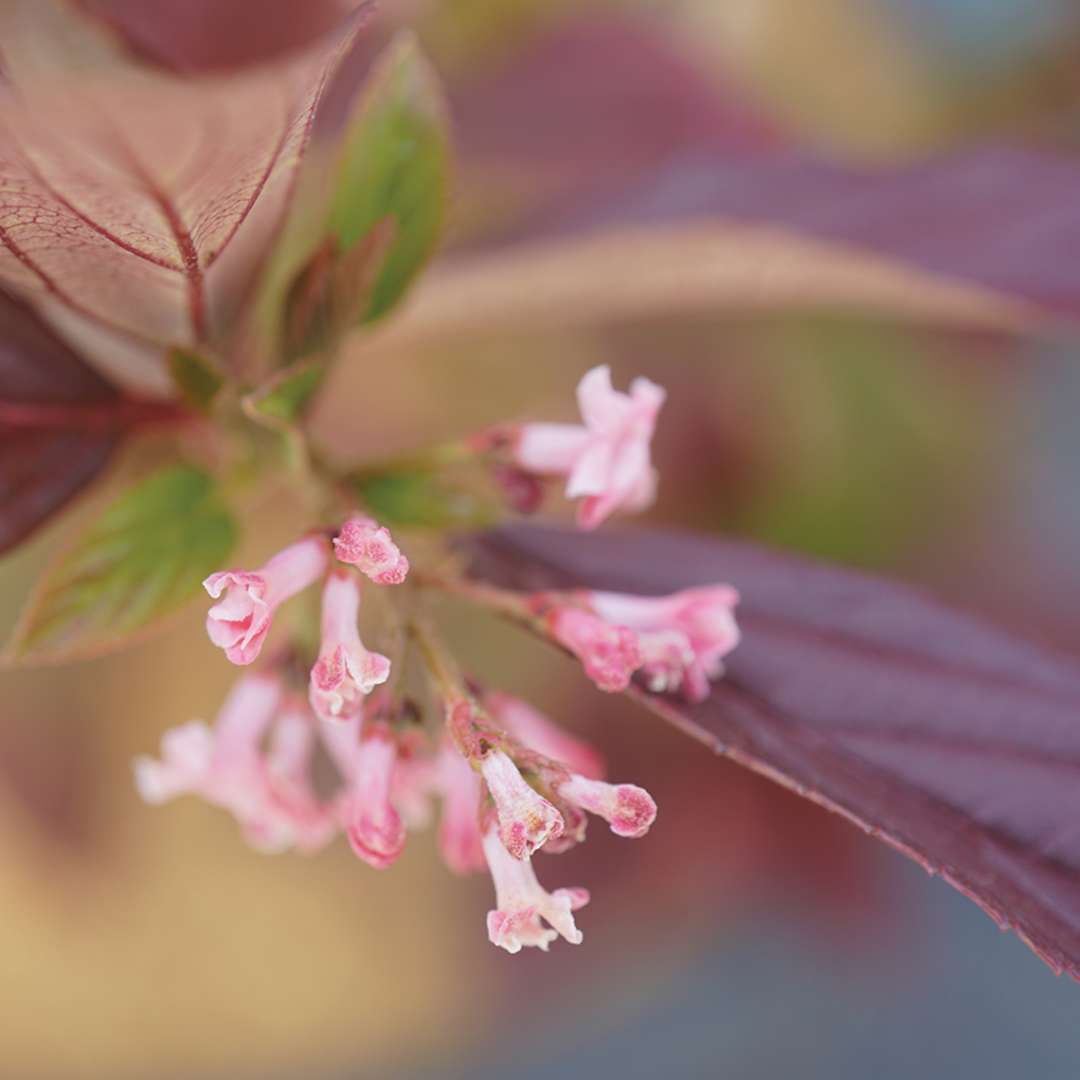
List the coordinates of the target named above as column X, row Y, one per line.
column 136, row 204
column 956, row 743
column 596, row 99
column 59, row 422
column 637, row 185
column 1006, row 219
column 204, row 35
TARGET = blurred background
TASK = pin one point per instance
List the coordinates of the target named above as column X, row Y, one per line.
column 750, row 935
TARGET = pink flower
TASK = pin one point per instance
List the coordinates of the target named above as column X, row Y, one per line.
column 184, row 766
column 524, row 491
column 521, row 902
column 369, row 546
column 268, row 794
column 294, row 816
column 526, row 818
column 535, row 731
column 345, row 671
column 607, row 460
column 459, row 829
column 374, row 828
column 683, row 637
column 628, row 809
column 240, row 622
column 415, row 782
column 610, row 654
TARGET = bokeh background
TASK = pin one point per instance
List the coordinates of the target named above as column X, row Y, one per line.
column 750, row 935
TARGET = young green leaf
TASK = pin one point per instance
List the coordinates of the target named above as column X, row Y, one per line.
column 144, row 555
column 420, row 498
column 280, row 403
column 394, row 163
column 197, row 379
column 333, row 291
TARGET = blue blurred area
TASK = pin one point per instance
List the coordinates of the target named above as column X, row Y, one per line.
column 764, row 1001
column 988, row 33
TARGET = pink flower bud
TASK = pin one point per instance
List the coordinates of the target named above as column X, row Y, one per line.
column 521, row 902
column 374, row 829
column 683, row 637
column 240, row 622
column 607, row 461
column 459, row 829
column 535, row 731
column 666, row 656
column 526, row 818
column 524, row 491
column 345, row 671
column 610, row 654
column 369, row 546
column 628, row 809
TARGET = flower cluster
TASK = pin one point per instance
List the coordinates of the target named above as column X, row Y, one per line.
column 509, row 783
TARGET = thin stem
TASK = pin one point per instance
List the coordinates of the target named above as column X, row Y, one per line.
column 398, row 649
column 442, row 668
column 441, row 456
column 511, row 605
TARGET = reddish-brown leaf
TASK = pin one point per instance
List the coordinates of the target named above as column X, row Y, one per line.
column 137, row 204
column 207, row 35
column 59, row 422
column 955, row 742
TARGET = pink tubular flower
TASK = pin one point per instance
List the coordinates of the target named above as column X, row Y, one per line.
column 294, row 816
column 607, row 460
column 521, row 902
column 683, row 637
column 268, row 795
column 415, row 781
column 367, row 545
column 345, row 671
column 240, row 622
column 459, row 829
column 526, row 818
column 610, row 654
column 628, row 809
column 185, row 763
column 374, row 828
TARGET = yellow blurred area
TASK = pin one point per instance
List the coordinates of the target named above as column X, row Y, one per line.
column 162, row 940
column 834, row 69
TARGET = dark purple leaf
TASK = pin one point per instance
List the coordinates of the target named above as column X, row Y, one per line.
column 1007, row 219
column 59, row 422
column 614, row 133
column 597, row 99
column 956, row 743
column 206, row 35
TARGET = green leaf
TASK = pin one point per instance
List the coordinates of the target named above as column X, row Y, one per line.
column 394, row 164
column 420, row 498
column 140, row 559
column 281, row 402
column 197, row 379
column 367, row 212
